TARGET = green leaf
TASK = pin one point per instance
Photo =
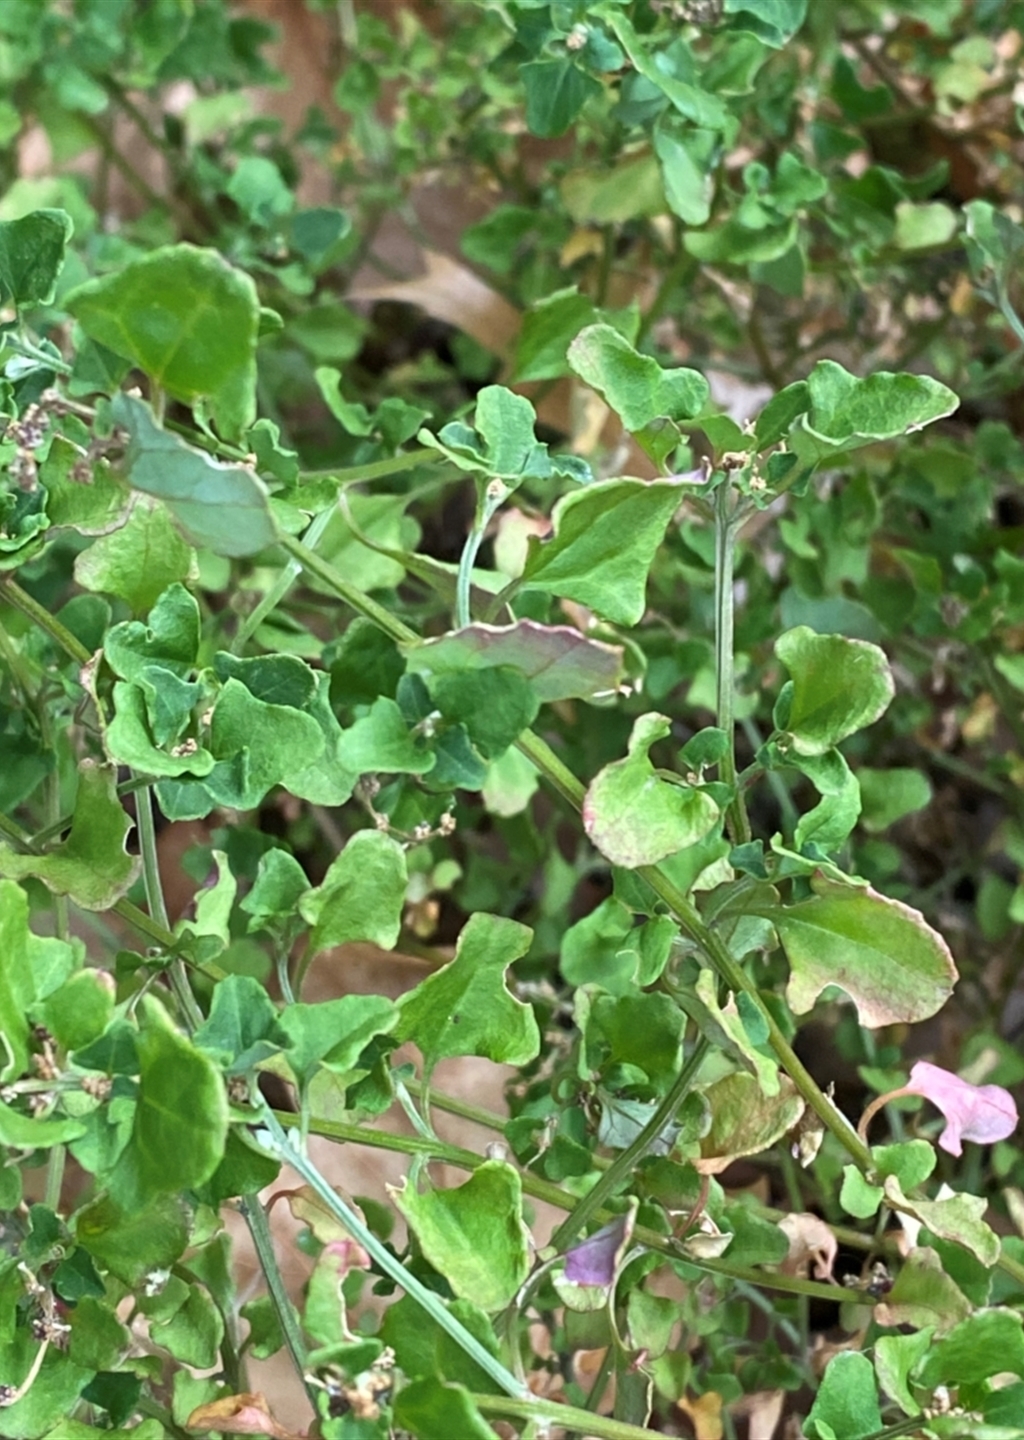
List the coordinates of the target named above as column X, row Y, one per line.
column 988, row 1343
column 28, row 1132
column 856, row 1196
column 130, row 1244
column 846, row 1405
column 894, row 967
column 258, row 189
column 495, row 704
column 685, row 155
column 613, row 194
column 919, row 227
column 361, row 896
column 895, row 1357
column 274, row 897
column 181, row 1122
column 382, row 742
column 958, row 1218
column 80, row 1010
column 243, row 1169
column 560, row 663
column 847, row 412
column 552, row 323
column 641, row 1032
column 502, row 445
column 839, row 687
column 727, row 1025
column 93, row 509
column 138, row 560
column 635, row 385
column 633, row 816
column 773, row 21
column 259, row 746
column 556, row 92
column 334, row 1033
column 923, row 1294
column 604, row 543
column 693, row 103
column 465, row 1009
column 829, row 824
column 170, row 638
column 189, row 320
column 888, row 795
column 242, row 1027
column 318, row 234
column 422, row 1349
column 129, row 741
column 98, row 1339
column 194, row 1332
column 911, row 1161
column 54, row 1392
column 91, row 865
column 17, row 978
column 435, row 1411
column 745, row 1121
column 32, row 256
column 474, row 1235
column 223, row 508
column 595, row 950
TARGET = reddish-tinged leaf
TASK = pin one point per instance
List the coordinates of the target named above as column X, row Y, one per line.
column 984, row 1113
column 560, row 663
column 240, row 1415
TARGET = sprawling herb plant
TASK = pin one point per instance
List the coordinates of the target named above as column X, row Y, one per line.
column 624, row 727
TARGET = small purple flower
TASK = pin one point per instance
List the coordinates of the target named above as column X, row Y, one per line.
column 594, row 1260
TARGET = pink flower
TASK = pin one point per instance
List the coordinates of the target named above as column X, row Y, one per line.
column 973, row 1112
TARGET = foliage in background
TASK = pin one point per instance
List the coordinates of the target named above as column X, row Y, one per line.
column 645, row 655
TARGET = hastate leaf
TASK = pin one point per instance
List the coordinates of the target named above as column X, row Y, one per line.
column 362, row 894
column 635, row 385
column 744, row 1120
column 91, row 865
column 464, row 1008
column 138, row 559
column 839, row 687
column 189, row 320
column 891, row 963
column 224, row 508
column 474, row 1235
column 32, row 967
column 635, row 817
column 181, row 1122
column 32, row 256
column 604, row 542
column 847, row 412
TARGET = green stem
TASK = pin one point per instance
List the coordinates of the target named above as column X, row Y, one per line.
column 624, row 1164
column 362, row 604
column 556, row 1196
column 190, row 1010
column 376, row 469
column 389, row 1263
column 39, row 615
column 566, row 1417
column 726, row 526
column 54, row 1176
column 21, row 346
column 492, row 499
column 255, row 1217
column 283, row 583
column 561, row 778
